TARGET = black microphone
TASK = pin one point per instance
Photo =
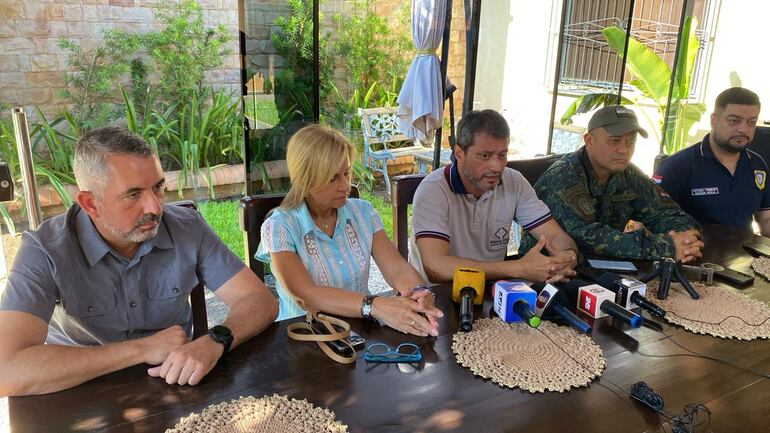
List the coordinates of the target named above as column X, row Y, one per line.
column 630, row 292
column 596, row 301
column 552, row 300
column 467, row 289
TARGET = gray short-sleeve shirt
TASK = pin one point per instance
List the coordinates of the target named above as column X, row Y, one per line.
column 67, row 275
column 477, row 229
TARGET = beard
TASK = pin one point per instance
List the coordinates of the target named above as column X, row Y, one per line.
column 728, row 146
column 137, row 234
column 479, row 183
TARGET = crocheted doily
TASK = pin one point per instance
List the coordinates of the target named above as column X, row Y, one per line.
column 719, row 312
column 551, row 357
column 274, row 414
column 761, row 266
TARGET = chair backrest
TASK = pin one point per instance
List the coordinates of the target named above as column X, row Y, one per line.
column 252, row 211
column 197, row 296
column 380, row 125
column 533, row 168
column 401, row 197
column 656, row 162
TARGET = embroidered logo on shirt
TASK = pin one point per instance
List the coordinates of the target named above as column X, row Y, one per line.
column 712, row 190
column 499, row 237
column 759, row 178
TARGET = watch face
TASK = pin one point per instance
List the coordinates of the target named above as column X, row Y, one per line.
column 221, row 334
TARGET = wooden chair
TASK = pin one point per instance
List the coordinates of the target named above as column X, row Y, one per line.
column 198, row 295
column 403, row 195
column 379, row 127
column 656, row 162
column 252, row 211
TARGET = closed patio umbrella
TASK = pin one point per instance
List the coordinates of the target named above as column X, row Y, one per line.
column 420, row 102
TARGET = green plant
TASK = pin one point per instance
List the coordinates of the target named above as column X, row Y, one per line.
column 344, row 113
column 209, row 132
column 293, row 40
column 185, row 48
column 153, row 126
column 374, row 49
column 140, row 87
column 55, row 168
column 91, row 81
column 652, row 79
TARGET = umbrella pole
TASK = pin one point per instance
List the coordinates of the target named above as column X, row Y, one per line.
column 444, row 63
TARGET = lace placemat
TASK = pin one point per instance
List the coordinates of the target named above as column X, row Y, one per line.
column 719, row 312
column 549, row 358
column 269, row 414
column 761, row 266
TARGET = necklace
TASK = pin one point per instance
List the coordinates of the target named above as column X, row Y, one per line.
column 322, row 223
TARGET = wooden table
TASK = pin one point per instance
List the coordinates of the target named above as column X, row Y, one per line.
column 439, row 395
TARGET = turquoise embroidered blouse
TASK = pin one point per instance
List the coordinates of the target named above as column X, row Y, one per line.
column 342, row 260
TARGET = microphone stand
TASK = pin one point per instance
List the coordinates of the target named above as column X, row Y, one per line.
column 669, row 270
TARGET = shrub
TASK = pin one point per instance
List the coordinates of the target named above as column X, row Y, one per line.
column 184, row 49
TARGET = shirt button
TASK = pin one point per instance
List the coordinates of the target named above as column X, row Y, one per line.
column 176, row 290
column 90, row 308
column 132, row 304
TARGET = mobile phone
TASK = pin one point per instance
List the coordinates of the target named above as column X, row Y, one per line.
column 338, row 346
column 734, row 278
column 613, row 265
column 759, row 248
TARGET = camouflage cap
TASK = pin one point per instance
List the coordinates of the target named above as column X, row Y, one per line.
column 616, row 120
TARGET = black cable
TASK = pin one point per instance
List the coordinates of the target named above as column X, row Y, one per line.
column 683, row 423
column 621, row 397
column 721, row 321
column 702, row 356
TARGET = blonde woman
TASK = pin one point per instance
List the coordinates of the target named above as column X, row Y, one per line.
column 319, row 243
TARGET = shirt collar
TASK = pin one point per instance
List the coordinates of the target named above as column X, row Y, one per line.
column 95, row 247
column 306, row 223
column 452, row 175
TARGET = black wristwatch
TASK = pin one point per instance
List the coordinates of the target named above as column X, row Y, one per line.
column 366, row 307
column 222, row 335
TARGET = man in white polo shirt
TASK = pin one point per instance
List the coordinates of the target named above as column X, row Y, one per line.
column 462, row 214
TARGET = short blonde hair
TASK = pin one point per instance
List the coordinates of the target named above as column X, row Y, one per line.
column 313, row 156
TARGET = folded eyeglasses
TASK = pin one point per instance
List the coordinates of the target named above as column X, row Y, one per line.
column 404, row 352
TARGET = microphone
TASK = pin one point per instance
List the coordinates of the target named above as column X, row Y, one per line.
column 550, row 299
column 467, row 289
column 597, row 302
column 629, row 292
column 513, row 300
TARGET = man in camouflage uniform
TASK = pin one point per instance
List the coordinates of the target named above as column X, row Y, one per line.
column 595, row 192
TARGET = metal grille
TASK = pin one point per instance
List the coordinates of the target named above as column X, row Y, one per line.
column 587, row 59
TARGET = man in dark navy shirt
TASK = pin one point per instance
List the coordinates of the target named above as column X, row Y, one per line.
column 720, row 180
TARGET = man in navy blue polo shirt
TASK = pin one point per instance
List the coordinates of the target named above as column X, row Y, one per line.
column 720, row 180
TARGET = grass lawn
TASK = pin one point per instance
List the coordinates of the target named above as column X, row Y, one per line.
column 262, row 110
column 222, row 217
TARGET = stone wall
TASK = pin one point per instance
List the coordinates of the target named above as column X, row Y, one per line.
column 32, row 66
